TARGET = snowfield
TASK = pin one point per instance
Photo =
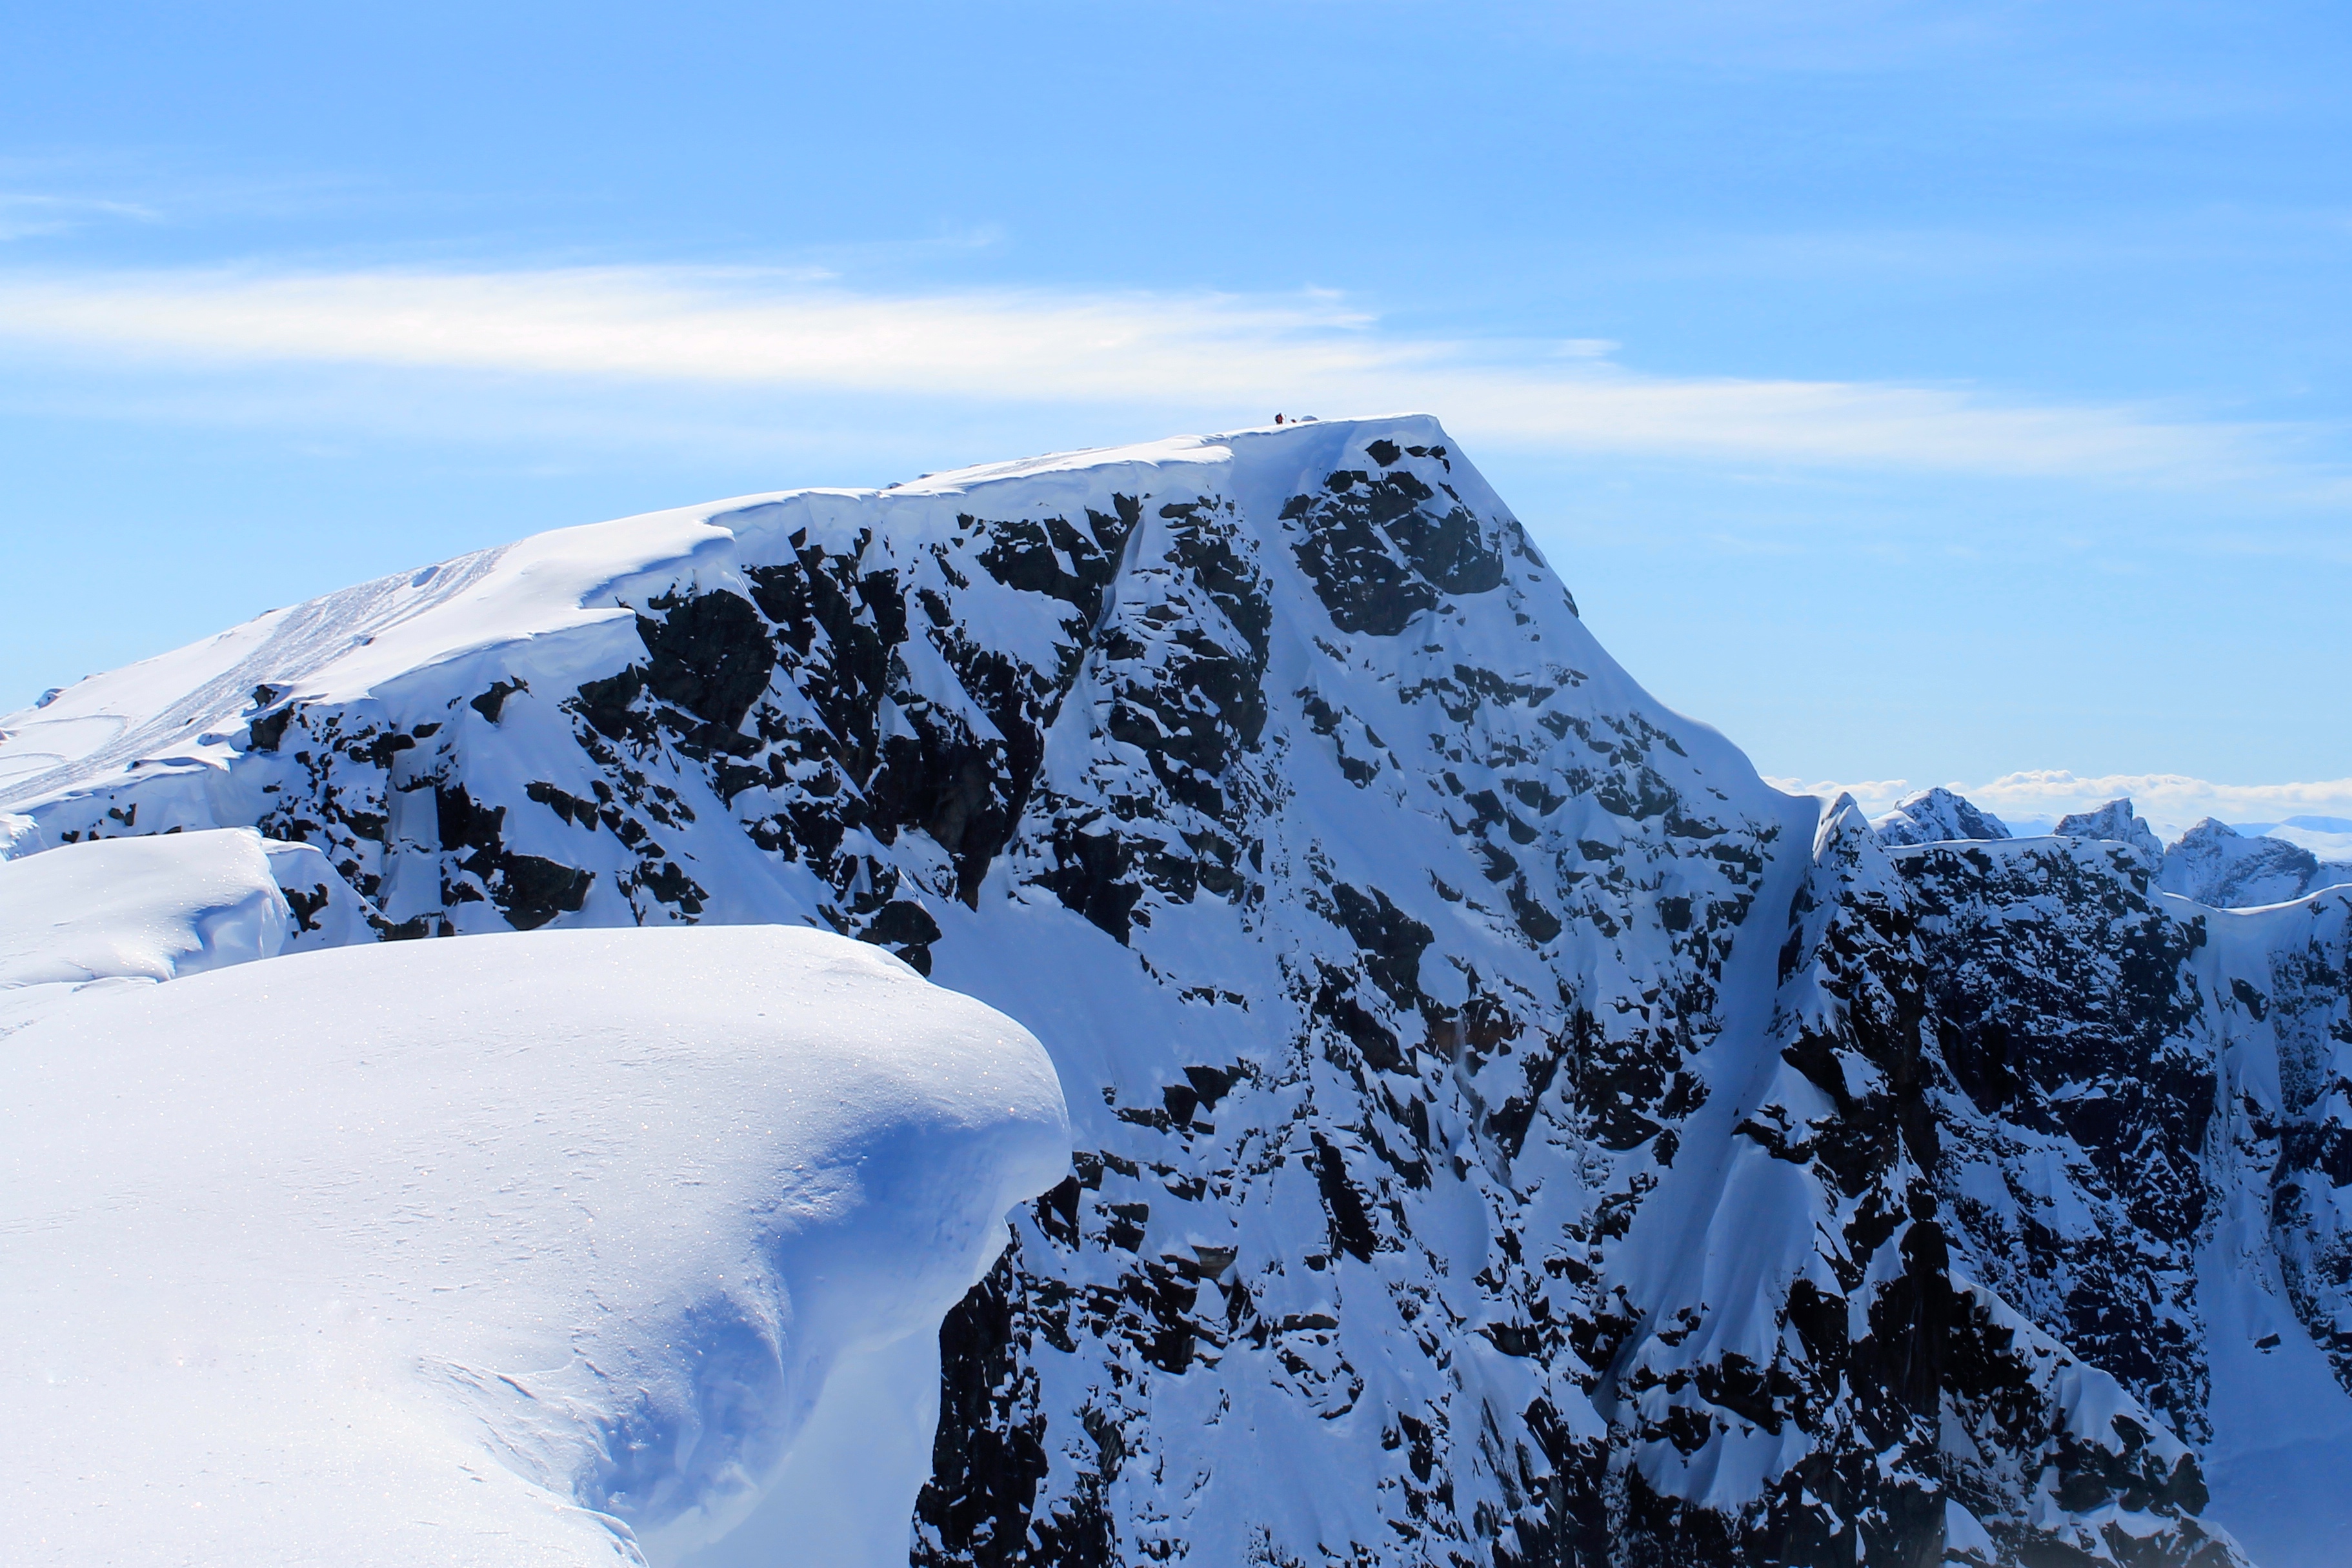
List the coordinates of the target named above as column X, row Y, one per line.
column 503, row 1249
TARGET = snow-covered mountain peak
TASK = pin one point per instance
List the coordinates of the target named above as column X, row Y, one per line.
column 2214, row 864
column 1507, row 1130
column 1934, row 815
column 2114, row 822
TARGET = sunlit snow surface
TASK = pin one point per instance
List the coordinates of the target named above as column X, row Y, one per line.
column 501, row 1249
column 142, row 909
column 126, row 912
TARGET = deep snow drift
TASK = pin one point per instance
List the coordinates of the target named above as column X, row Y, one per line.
column 116, row 912
column 502, row 1250
column 141, row 909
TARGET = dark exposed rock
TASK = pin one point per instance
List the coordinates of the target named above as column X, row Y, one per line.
column 492, row 703
column 1092, row 876
column 2076, row 1027
column 528, row 890
column 267, row 731
column 708, row 653
column 307, row 903
column 1351, row 1228
column 907, row 927
column 990, row 1454
column 1382, row 550
column 1393, row 941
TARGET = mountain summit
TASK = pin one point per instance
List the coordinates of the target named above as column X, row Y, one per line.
column 1509, row 1131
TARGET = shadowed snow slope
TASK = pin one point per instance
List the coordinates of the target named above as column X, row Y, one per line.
column 1508, row 1132
column 503, row 1250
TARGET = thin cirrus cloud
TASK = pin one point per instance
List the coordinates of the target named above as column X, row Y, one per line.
column 24, row 215
column 799, row 333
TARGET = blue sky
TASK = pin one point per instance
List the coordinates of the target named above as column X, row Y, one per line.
column 1916, row 393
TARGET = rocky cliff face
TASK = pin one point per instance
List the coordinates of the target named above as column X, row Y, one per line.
column 1510, row 1132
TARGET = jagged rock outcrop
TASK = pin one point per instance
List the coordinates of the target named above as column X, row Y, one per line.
column 2113, row 823
column 1510, row 1133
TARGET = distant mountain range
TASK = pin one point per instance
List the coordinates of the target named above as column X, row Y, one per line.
column 2215, row 864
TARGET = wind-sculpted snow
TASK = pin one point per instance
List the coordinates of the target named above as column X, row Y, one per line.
column 122, row 912
column 19, row 835
column 1508, row 1132
column 500, row 1250
column 139, row 909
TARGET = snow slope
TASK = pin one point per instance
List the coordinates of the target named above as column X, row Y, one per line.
column 504, row 1250
column 1508, row 1132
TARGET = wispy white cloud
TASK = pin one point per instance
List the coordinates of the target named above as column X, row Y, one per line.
column 2169, row 800
column 1228, row 357
column 26, row 215
column 1873, row 795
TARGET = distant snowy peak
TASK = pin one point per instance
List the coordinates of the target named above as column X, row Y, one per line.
column 2218, row 865
column 1934, row 817
column 2214, row 863
column 2114, row 823
column 2328, row 837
